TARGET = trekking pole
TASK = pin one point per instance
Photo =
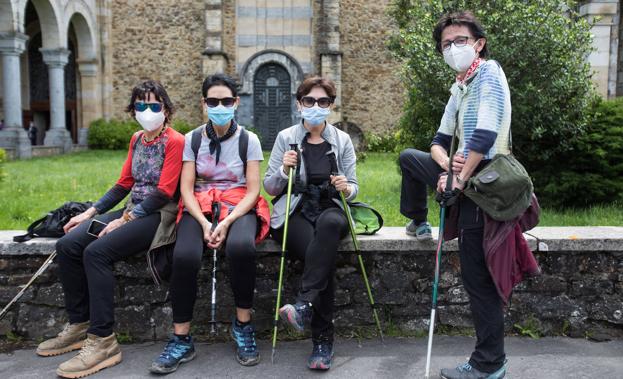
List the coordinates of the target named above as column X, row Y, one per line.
column 40, row 271
column 360, row 259
column 216, row 212
column 294, row 147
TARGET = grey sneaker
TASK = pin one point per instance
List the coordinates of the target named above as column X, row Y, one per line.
column 421, row 231
column 466, row 371
column 71, row 338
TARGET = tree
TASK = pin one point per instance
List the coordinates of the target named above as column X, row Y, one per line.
column 542, row 46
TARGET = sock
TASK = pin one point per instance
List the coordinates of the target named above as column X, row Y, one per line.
column 242, row 324
column 183, row 337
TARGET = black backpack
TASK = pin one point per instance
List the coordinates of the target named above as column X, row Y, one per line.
column 243, row 145
column 51, row 225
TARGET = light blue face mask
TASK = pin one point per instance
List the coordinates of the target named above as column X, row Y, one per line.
column 315, row 116
column 221, row 115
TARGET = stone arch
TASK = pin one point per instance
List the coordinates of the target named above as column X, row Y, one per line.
column 49, row 17
column 8, row 21
column 271, row 56
column 79, row 17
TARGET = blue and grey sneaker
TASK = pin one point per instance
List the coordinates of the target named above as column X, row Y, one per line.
column 246, row 350
column 466, row 371
column 422, row 231
column 321, row 356
column 298, row 315
column 175, row 352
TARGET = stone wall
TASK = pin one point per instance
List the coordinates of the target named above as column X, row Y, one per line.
column 579, row 294
column 372, row 90
column 163, row 41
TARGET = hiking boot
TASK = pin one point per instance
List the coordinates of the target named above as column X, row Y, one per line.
column 177, row 351
column 96, row 354
column 466, row 371
column 298, row 315
column 421, row 231
column 321, row 356
column 70, row 338
column 246, row 351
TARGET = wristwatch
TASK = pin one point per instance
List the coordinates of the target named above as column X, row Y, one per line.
column 460, row 181
column 126, row 216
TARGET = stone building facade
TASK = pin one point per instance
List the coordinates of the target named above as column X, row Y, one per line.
column 66, row 63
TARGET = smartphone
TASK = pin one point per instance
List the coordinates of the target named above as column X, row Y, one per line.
column 96, row 227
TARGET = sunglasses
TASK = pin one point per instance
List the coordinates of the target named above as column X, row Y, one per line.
column 212, row 102
column 323, row 102
column 141, row 107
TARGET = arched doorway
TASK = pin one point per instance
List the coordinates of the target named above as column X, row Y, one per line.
column 272, row 102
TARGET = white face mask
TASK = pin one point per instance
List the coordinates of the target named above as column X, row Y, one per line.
column 460, row 58
column 149, row 120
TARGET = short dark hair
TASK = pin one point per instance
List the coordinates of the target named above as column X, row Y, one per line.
column 316, row 81
column 219, row 80
column 464, row 18
column 142, row 91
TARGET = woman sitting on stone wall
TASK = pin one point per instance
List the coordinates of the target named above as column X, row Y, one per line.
column 317, row 222
column 150, row 175
column 217, row 168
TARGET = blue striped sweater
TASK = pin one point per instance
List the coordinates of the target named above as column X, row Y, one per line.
column 484, row 107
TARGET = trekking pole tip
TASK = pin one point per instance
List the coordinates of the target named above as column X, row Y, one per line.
column 272, row 356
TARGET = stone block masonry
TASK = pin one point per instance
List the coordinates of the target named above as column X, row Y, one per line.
column 579, row 294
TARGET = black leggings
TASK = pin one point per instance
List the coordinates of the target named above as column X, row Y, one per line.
column 316, row 245
column 85, row 265
column 189, row 247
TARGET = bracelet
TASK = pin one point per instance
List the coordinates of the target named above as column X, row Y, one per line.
column 459, row 180
column 126, row 216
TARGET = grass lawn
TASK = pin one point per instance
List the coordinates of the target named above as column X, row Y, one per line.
column 34, row 187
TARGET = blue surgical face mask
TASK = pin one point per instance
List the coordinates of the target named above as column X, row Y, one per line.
column 315, row 116
column 221, row 115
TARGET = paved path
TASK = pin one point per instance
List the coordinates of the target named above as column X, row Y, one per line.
column 551, row 358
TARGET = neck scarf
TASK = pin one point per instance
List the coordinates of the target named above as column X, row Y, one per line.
column 215, row 141
column 470, row 71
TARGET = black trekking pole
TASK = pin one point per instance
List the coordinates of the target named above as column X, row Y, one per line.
column 38, row 273
column 353, row 235
column 216, row 212
column 294, row 147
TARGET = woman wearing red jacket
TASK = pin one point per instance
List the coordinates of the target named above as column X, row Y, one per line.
column 150, row 176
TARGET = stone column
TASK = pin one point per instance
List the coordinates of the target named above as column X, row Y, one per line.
column 88, row 96
column 12, row 45
column 330, row 54
column 214, row 58
column 58, row 135
column 604, row 58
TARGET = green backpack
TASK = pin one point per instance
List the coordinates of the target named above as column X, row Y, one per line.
column 367, row 220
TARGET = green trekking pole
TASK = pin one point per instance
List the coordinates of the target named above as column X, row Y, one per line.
column 283, row 255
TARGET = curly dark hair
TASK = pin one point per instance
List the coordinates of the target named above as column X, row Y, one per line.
column 141, row 92
column 462, row 18
column 219, row 80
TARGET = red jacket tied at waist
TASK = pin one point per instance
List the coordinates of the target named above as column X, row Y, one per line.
column 508, row 257
column 229, row 199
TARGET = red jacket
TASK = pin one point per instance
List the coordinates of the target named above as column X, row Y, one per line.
column 507, row 253
column 230, row 198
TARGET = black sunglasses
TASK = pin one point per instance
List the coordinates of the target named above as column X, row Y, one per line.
column 141, row 107
column 323, row 102
column 212, row 102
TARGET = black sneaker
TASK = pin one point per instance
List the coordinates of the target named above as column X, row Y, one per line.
column 175, row 352
column 246, row 351
column 298, row 315
column 321, row 356
column 466, row 371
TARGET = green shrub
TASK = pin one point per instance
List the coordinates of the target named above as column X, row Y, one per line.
column 111, row 135
column 2, row 160
column 182, row 126
column 384, row 143
column 543, row 52
column 591, row 171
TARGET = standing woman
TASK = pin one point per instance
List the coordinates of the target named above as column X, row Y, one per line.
column 150, row 175
column 215, row 173
column 317, row 222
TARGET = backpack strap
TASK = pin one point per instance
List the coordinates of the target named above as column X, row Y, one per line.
column 195, row 141
column 30, row 231
column 243, row 148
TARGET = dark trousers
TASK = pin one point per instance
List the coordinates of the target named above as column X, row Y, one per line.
column 187, row 254
column 86, row 267
column 484, row 300
column 418, row 171
column 316, row 245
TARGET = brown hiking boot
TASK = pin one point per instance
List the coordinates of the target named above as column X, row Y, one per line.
column 71, row 338
column 96, row 354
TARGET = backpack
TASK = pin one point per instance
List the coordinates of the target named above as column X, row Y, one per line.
column 51, row 225
column 243, row 145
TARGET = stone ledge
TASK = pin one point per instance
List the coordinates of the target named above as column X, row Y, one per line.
column 598, row 238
